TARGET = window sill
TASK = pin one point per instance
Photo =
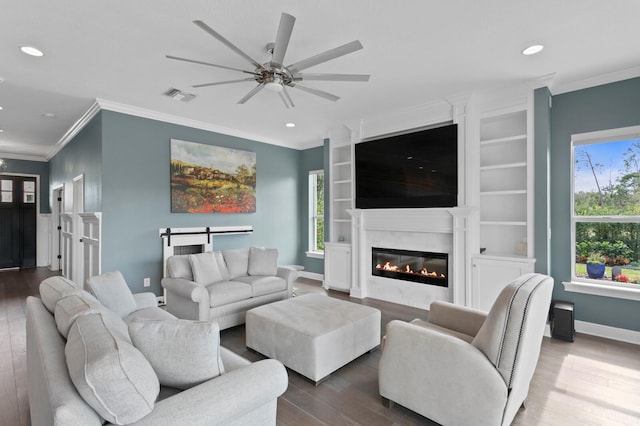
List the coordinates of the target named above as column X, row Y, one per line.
column 621, row 291
column 315, row 254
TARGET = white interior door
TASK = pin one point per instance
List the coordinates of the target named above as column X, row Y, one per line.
column 55, row 250
column 77, row 262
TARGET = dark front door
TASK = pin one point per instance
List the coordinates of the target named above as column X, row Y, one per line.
column 17, row 221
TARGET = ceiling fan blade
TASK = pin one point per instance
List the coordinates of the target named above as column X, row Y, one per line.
column 253, row 91
column 177, row 58
column 331, row 77
column 282, row 39
column 284, row 95
column 223, row 82
column 227, row 43
column 325, row 56
column 316, row 92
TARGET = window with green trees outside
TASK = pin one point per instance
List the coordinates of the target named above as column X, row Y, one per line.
column 606, row 211
column 316, row 211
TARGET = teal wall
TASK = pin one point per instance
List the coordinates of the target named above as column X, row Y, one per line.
column 81, row 156
column 542, row 134
column 132, row 154
column 310, row 159
column 598, row 108
column 38, row 168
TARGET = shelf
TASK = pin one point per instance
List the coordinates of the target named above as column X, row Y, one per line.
column 502, row 166
column 503, row 140
column 510, row 192
column 342, row 163
column 342, row 181
column 341, row 220
column 502, row 223
column 342, row 200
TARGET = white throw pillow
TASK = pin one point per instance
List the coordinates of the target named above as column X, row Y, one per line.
column 71, row 306
column 110, row 374
column 53, row 289
column 113, row 292
column 205, row 268
column 263, row 261
column 183, row 353
column 178, row 266
column 237, row 261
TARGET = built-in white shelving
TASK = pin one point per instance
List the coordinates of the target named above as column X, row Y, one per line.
column 341, row 159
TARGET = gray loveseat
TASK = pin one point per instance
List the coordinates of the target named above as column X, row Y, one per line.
column 224, row 285
column 246, row 393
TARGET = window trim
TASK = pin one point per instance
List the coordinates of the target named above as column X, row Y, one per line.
column 312, row 219
column 585, row 285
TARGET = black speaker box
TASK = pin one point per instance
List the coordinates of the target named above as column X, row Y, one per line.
column 562, row 321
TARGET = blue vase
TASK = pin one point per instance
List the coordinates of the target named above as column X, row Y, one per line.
column 595, row 270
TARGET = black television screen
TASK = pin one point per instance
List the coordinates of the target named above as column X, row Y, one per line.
column 412, row 170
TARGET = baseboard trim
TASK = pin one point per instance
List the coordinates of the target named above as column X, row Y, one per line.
column 605, row 331
column 311, row 275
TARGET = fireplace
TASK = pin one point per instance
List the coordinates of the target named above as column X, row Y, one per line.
column 410, row 265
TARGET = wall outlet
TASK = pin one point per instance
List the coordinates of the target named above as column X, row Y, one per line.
column 147, row 282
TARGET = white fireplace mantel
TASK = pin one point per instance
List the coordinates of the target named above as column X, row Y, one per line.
column 438, row 229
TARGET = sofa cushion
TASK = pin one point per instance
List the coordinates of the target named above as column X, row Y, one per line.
column 261, row 285
column 70, row 307
column 222, row 265
column 113, row 292
column 263, row 261
column 52, row 289
column 237, row 261
column 183, row 353
column 112, row 376
column 226, row 292
column 205, row 268
column 179, row 267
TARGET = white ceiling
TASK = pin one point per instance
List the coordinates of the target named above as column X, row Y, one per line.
column 417, row 51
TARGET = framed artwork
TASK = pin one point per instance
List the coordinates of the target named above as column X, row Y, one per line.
column 212, row 179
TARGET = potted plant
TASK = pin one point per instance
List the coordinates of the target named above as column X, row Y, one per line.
column 595, row 265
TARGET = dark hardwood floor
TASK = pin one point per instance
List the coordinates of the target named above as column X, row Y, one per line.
column 592, row 381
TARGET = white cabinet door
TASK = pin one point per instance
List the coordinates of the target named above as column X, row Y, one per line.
column 491, row 275
column 337, row 266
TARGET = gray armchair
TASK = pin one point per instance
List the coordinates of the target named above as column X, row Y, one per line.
column 465, row 367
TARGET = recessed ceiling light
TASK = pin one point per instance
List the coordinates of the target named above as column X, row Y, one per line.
column 48, row 115
column 30, row 50
column 290, row 124
column 532, row 50
column 1, row 108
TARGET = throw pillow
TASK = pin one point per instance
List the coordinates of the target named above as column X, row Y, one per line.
column 222, row 265
column 205, row 268
column 71, row 306
column 263, row 261
column 237, row 261
column 179, row 267
column 183, row 353
column 110, row 374
column 113, row 292
column 53, row 288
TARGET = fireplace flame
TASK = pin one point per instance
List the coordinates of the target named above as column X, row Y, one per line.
column 406, row 269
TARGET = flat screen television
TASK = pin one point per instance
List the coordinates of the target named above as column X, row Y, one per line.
column 411, row 170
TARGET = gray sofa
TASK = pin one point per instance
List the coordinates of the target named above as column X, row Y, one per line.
column 246, row 393
column 224, row 285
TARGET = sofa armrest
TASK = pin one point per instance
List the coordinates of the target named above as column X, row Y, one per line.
column 455, row 317
column 289, row 274
column 185, row 293
column 440, row 376
column 224, row 399
column 145, row 300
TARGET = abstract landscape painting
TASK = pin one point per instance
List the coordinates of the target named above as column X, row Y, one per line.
column 212, row 179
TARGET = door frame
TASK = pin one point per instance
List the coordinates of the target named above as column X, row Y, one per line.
column 77, row 263
column 57, row 208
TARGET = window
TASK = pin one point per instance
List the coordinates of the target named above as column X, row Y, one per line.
column 606, row 207
column 316, row 211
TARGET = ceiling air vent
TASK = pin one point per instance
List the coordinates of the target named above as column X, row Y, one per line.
column 179, row 95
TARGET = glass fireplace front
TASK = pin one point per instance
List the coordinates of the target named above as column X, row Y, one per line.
column 409, row 265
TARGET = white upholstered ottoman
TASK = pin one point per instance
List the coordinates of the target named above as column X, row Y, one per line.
column 313, row 334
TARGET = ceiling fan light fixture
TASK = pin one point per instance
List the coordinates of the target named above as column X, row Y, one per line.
column 274, row 86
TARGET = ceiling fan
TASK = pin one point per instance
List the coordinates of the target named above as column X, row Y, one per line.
column 273, row 75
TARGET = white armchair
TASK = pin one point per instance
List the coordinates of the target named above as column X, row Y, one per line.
column 465, row 367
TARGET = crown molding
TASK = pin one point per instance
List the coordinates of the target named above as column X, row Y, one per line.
column 74, row 130
column 612, row 77
column 26, row 157
column 182, row 121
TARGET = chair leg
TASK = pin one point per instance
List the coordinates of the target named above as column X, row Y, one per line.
column 387, row 402
column 524, row 405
